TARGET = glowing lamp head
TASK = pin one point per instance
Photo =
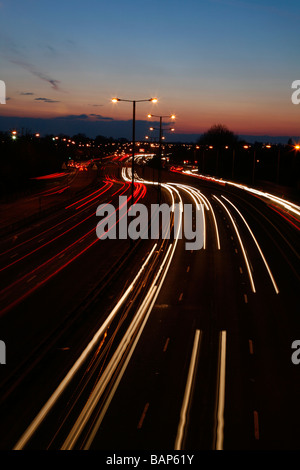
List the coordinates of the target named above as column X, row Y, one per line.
column 173, row 116
column 297, row 147
column 153, row 100
column 115, row 100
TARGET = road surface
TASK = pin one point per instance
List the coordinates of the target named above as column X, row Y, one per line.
column 114, row 345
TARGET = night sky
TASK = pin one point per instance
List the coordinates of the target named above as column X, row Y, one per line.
column 207, row 61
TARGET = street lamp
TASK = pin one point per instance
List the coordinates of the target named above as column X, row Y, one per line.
column 172, row 116
column 115, row 100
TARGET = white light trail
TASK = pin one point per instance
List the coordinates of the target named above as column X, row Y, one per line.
column 221, row 394
column 241, row 245
column 258, row 247
column 215, row 222
column 136, row 329
column 290, row 206
column 187, row 393
column 80, row 361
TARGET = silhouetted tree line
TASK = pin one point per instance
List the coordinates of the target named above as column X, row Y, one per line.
column 25, row 158
column 28, row 156
column 219, row 152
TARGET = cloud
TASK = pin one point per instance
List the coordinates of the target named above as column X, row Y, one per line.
column 101, row 118
column 84, row 117
column 11, row 51
column 46, row 100
column 72, row 117
column 37, row 73
column 26, row 93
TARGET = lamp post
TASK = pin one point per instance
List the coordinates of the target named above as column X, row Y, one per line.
column 170, row 116
column 115, row 100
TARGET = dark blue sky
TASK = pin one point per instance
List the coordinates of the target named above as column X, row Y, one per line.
column 208, row 61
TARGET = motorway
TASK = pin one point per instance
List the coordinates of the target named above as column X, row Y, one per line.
column 147, row 345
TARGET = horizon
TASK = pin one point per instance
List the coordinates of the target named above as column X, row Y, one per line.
column 122, row 130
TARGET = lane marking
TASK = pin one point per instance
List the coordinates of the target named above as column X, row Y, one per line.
column 187, row 393
column 166, row 345
column 140, row 424
column 256, row 424
column 246, row 298
column 188, row 269
column 251, row 346
column 180, row 297
column 221, row 401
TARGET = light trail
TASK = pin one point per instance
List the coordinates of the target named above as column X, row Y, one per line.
column 58, row 256
column 134, row 329
column 52, row 239
column 277, row 210
column 30, row 431
column 193, row 193
column 145, row 310
column 215, row 222
column 187, row 393
column 241, row 245
column 221, row 391
column 43, row 232
column 258, row 247
column 197, row 200
column 98, row 192
column 284, row 203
